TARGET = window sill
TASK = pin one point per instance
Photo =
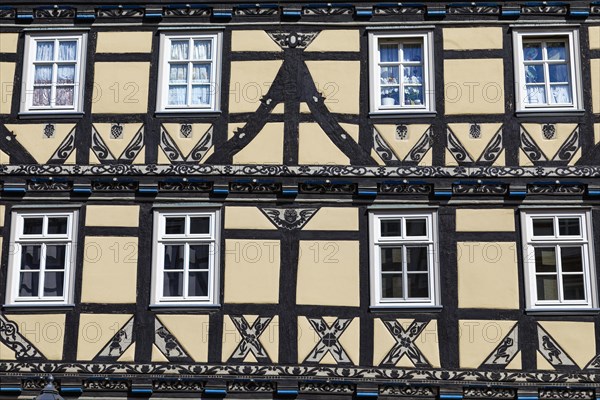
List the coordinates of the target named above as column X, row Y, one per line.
column 184, row 306
column 37, row 307
column 188, row 113
column 411, row 309
column 550, row 113
column 50, row 114
column 402, row 114
column 562, row 311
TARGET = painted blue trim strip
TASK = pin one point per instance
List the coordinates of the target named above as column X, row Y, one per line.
column 593, row 192
column 367, row 192
column 527, row 397
column 153, row 15
column 517, row 193
column 141, row 391
column 511, row 13
column 582, row 13
column 15, row 189
column 85, row 16
column 221, row 191
column 451, row 396
column 148, row 190
column 442, row 193
column 288, row 392
column 367, row 394
column 436, row 12
column 292, row 13
column 25, row 16
column 10, row 389
column 364, row 13
column 215, row 391
column 222, row 14
column 246, row 6
column 71, row 390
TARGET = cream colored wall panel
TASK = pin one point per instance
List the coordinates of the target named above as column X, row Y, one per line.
column 109, row 262
column 487, row 275
column 95, row 331
column 157, row 355
column 265, row 148
column 550, row 147
column 231, row 338
column 542, row 363
column 428, row 343
column 427, row 159
column 131, row 79
column 322, row 262
column 4, row 158
column 595, row 73
column 383, row 341
column 485, row 220
column 8, row 42
column 336, row 40
column 7, row 87
column 338, row 82
column 252, row 271
column 2, row 215
column 46, row 332
column 473, row 38
column 474, row 86
column 128, row 216
column 252, row 40
column 32, row 137
column 333, row 219
column 315, row 147
column 577, row 339
column 6, row 353
column 596, row 133
column 128, row 355
column 232, row 128
column 246, row 218
column 350, row 340
column 401, row 147
column 249, row 82
column 594, row 34
column 278, row 109
column 516, row 362
column 477, row 339
column 124, row 42
column 191, row 331
column 352, row 130
column 475, row 147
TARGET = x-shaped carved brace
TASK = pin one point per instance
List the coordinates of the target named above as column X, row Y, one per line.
column 329, row 340
column 250, row 335
column 405, row 344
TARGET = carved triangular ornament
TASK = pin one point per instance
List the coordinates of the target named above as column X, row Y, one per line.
column 292, row 40
column 289, row 218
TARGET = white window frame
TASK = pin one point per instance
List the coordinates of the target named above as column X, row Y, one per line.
column 571, row 37
column 27, row 106
column 14, row 258
column 424, row 37
column 163, row 73
column 585, row 240
column 377, row 242
column 159, row 241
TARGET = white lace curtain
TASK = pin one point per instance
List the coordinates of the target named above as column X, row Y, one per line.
column 66, row 59
column 179, row 74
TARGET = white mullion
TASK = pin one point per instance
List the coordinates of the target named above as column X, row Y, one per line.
column 42, row 277
column 404, row 274
column 559, row 274
column 186, row 269
column 401, row 83
column 189, row 73
column 54, row 74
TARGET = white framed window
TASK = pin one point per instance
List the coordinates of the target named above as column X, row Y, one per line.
column 404, row 268
column 53, row 73
column 401, row 73
column 42, row 257
column 547, row 70
column 559, row 261
column 189, row 72
column 186, row 262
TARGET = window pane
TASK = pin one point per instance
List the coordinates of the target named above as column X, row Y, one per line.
column 199, row 256
column 67, row 51
column 57, row 225
column 173, row 284
column 391, row 259
column 64, row 96
column 391, row 286
column 202, row 49
column 200, row 225
column 545, row 259
column 543, row 227
column 388, row 52
column 29, row 284
column 178, row 73
column 55, row 256
column 558, row 73
column 573, row 287
column 391, row 227
column 413, row 75
column 547, row 287
column 177, row 95
column 200, row 94
column 560, row 94
column 416, row 258
column 571, row 259
column 32, row 226
column 66, row 74
column 416, row 227
column 53, row 283
column 532, row 51
column 556, row 51
column 390, row 75
column 412, row 52
column 30, row 256
column 175, row 225
column 390, row 96
column 418, row 285
column 41, row 96
column 568, row 227
column 174, row 256
column 534, row 74
column 201, row 73
column 198, row 284
column 179, row 49
column 44, row 51
column 43, row 74
column 536, row 95
column 413, row 95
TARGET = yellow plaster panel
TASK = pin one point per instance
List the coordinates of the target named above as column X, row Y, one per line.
column 265, row 148
column 500, row 160
column 8, row 42
column 450, row 160
column 230, row 339
column 316, row 148
column 427, row 159
column 516, row 362
column 250, row 80
column 7, row 86
column 336, row 40
column 2, row 213
column 46, row 332
column 596, row 133
column 595, row 73
column 278, row 109
column 304, row 108
column 246, row 218
column 524, row 160
column 338, row 83
column 376, row 157
column 428, row 343
column 352, row 130
column 577, row 339
column 474, row 86
column 157, row 355
column 473, row 38
column 252, row 40
column 334, row 219
column 132, row 79
column 350, row 340
column 6, row 353
column 4, row 158
column 401, row 147
column 95, row 331
column 128, row 216
column 128, row 355
column 232, row 128
column 187, row 144
column 109, row 262
column 475, row 147
column 477, row 339
column 594, row 33
column 191, row 332
column 270, row 339
column 124, row 42
column 322, row 262
column 252, row 271
column 485, row 220
column 383, row 341
column 32, row 137
column 542, row 363
column 575, row 157
column 487, row 275
column 307, row 338
column 550, row 146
